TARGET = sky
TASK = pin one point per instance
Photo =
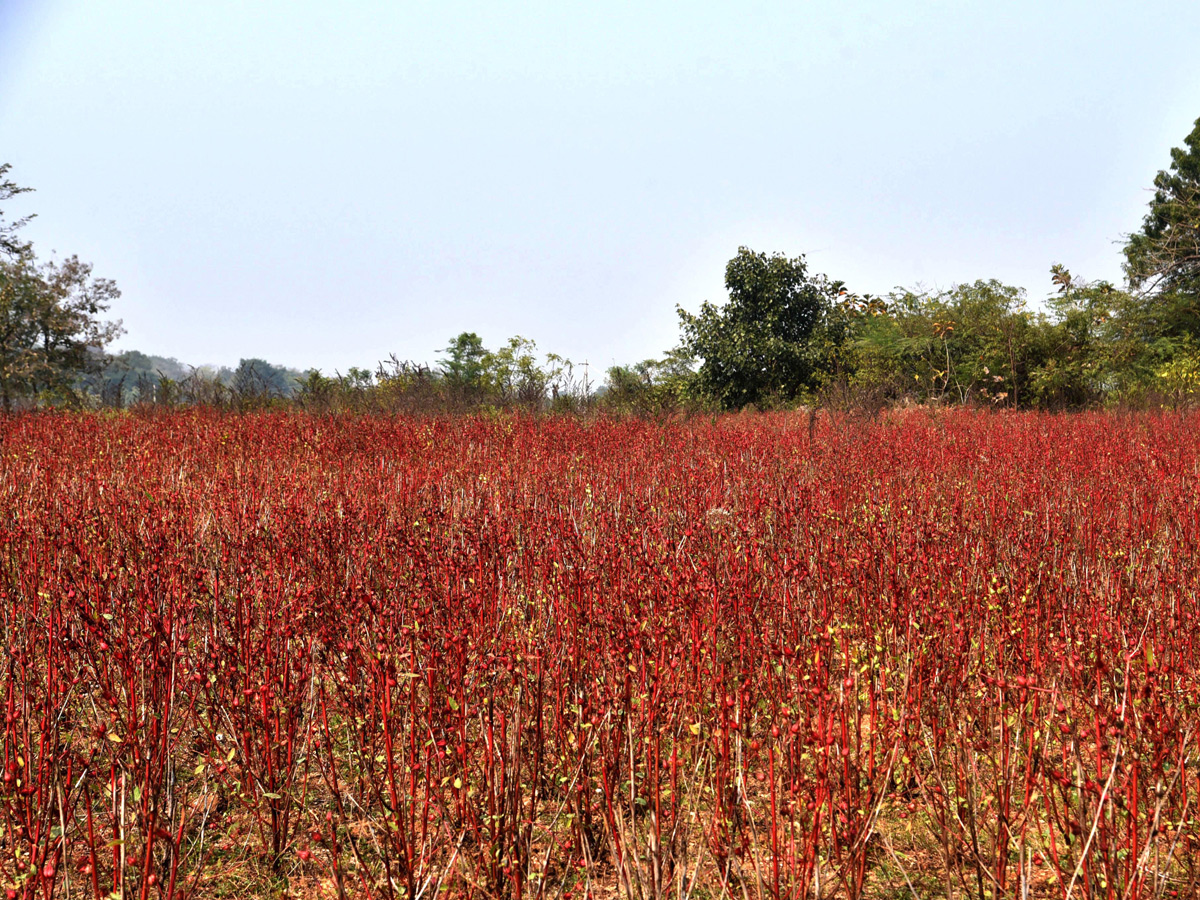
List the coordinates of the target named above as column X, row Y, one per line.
column 323, row 185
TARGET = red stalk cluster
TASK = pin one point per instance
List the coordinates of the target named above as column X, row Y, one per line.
column 550, row 658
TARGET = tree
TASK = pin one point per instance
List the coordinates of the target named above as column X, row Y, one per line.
column 514, row 373
column 9, row 245
column 50, row 331
column 758, row 347
column 1164, row 257
column 465, row 367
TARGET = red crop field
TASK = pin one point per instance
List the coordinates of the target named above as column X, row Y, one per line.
column 947, row 655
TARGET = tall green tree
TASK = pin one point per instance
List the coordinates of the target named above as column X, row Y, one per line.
column 758, row 348
column 51, row 332
column 1163, row 259
column 465, row 364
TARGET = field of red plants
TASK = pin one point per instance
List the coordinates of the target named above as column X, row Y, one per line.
column 930, row 655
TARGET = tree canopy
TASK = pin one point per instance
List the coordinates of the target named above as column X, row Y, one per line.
column 50, row 331
column 758, row 348
column 1163, row 258
column 465, row 366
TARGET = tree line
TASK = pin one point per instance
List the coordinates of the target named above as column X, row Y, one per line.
column 785, row 336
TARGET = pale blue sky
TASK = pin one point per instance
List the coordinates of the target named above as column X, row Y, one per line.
column 324, row 184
